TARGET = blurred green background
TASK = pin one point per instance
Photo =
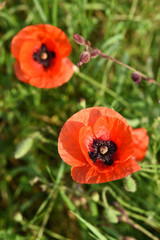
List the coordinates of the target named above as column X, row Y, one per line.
column 38, row 198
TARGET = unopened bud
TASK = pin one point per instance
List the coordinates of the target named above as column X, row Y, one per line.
column 94, row 53
column 84, row 58
column 79, row 39
column 136, row 77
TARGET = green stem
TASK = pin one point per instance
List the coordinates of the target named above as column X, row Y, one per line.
column 143, row 230
column 54, row 12
column 150, row 170
column 149, row 165
column 40, row 11
column 130, row 68
column 152, row 223
column 100, row 86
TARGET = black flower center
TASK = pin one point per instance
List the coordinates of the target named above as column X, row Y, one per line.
column 102, row 150
column 43, row 56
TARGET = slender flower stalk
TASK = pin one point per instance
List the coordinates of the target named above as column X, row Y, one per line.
column 94, row 52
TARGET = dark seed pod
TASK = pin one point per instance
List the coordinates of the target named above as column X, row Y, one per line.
column 136, row 77
column 84, row 58
column 94, row 53
column 79, row 39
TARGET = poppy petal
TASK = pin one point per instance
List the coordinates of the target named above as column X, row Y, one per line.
column 89, row 116
column 28, row 33
column 27, row 63
column 60, row 38
column 141, row 142
column 87, row 174
column 19, row 73
column 101, row 128
column 68, row 144
column 56, row 80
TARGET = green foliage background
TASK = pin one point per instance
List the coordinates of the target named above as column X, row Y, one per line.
column 38, row 198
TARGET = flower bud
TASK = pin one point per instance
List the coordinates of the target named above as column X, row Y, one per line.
column 94, row 53
column 84, row 58
column 79, row 39
column 136, row 77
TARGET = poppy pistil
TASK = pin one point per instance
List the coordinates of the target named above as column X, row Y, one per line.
column 103, row 149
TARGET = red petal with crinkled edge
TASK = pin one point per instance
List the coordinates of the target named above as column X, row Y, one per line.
column 61, row 40
column 141, row 142
column 68, row 144
column 55, row 80
column 28, row 33
column 87, row 174
column 89, row 116
column 19, row 73
column 102, row 128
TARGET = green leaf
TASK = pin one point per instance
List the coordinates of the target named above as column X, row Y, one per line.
column 23, row 148
column 68, row 202
column 92, row 228
column 130, row 184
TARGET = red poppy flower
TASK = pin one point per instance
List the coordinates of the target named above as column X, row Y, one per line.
column 141, row 142
column 41, row 52
column 98, row 144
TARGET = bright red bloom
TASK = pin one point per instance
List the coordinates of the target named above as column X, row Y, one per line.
column 98, row 144
column 141, row 142
column 41, row 52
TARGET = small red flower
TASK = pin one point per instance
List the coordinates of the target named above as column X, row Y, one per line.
column 41, row 52
column 141, row 142
column 98, row 144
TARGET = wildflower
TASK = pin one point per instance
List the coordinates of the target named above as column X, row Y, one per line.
column 98, row 144
column 141, row 142
column 41, row 53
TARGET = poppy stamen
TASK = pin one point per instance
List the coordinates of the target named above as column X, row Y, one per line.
column 102, row 150
column 43, row 56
